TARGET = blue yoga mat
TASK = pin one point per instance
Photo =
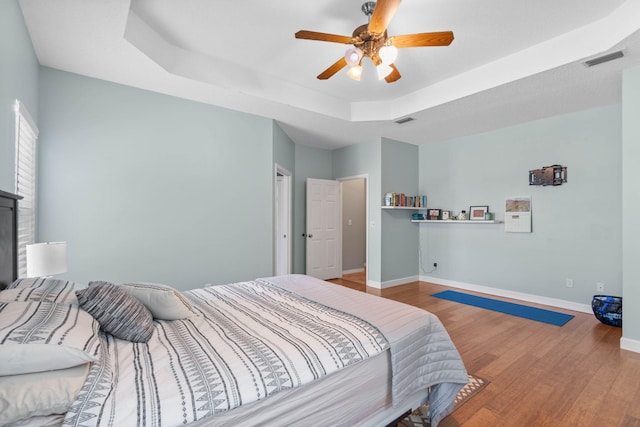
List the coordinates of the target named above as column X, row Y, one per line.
column 533, row 313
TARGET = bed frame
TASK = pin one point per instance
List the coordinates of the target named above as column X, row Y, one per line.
column 8, row 238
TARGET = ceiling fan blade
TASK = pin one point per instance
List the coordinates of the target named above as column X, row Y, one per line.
column 323, row 37
column 443, row 38
column 394, row 75
column 382, row 14
column 339, row 65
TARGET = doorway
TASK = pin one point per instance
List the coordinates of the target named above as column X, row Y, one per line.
column 282, row 220
column 354, row 226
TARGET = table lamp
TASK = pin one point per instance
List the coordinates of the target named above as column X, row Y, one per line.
column 46, row 259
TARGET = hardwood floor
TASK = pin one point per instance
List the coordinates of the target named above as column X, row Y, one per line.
column 541, row 375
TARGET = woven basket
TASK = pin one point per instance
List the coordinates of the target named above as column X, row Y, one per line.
column 608, row 309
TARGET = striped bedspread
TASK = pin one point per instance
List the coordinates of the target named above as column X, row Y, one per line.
column 251, row 340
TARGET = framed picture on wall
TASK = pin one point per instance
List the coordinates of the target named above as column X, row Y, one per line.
column 477, row 212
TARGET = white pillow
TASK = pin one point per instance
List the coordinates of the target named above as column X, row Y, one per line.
column 43, row 336
column 163, row 301
column 42, row 393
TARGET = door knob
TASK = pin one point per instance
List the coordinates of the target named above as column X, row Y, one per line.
column 310, row 235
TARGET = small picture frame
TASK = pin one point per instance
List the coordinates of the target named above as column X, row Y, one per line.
column 445, row 215
column 476, row 213
column 434, row 214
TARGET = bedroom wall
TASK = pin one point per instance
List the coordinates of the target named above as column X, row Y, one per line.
column 149, row 187
column 366, row 159
column 18, row 80
column 631, row 208
column 399, row 235
column 577, row 230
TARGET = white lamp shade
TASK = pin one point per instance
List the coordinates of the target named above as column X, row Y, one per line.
column 383, row 71
column 353, row 56
column 46, row 259
column 355, row 72
column 388, row 54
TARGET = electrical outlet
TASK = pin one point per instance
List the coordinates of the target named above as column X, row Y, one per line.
column 568, row 283
column 600, row 287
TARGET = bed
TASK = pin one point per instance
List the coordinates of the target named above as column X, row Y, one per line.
column 276, row 351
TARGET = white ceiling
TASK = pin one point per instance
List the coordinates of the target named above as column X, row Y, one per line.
column 511, row 60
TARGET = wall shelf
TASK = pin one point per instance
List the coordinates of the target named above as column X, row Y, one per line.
column 468, row 221
column 403, row 207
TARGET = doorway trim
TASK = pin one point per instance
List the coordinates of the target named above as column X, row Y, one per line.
column 366, row 191
column 282, row 207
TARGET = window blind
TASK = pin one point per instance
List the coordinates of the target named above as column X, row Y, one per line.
column 26, row 137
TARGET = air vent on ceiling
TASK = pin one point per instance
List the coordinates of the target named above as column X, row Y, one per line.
column 404, row 120
column 605, row 58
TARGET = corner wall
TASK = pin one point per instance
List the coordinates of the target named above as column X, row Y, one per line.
column 399, row 235
column 19, row 80
column 631, row 209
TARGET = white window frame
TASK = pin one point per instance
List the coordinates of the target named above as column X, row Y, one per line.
column 25, row 167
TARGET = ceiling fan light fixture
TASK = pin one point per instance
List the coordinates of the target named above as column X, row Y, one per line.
column 355, row 72
column 353, row 56
column 383, row 71
column 388, row 54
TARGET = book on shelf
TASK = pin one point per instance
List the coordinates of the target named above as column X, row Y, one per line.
column 403, row 200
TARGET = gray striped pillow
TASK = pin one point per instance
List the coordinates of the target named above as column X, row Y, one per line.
column 117, row 312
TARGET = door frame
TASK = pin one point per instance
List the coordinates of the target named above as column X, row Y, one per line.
column 366, row 191
column 285, row 207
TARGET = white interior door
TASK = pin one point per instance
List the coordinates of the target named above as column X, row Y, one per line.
column 324, row 236
column 282, row 221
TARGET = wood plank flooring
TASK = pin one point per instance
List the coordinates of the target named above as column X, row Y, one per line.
column 541, row 375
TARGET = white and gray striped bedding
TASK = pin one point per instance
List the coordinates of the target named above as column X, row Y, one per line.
column 249, row 341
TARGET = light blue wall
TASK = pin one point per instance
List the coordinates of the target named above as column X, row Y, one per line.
column 366, row 159
column 576, row 226
column 149, row 187
column 309, row 163
column 631, row 203
column 18, row 80
column 399, row 235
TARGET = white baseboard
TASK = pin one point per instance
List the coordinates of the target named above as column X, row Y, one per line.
column 629, row 344
column 553, row 302
column 391, row 283
column 355, row 270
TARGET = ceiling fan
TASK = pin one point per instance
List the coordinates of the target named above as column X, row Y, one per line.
column 371, row 40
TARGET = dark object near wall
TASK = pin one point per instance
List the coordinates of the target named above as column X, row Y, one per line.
column 548, row 175
column 608, row 309
column 8, row 238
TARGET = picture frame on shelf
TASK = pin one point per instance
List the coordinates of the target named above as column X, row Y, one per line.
column 476, row 213
column 434, row 214
column 445, row 215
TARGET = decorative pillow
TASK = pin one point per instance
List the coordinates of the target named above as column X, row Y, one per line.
column 58, row 291
column 117, row 312
column 42, row 336
column 163, row 301
column 42, row 393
